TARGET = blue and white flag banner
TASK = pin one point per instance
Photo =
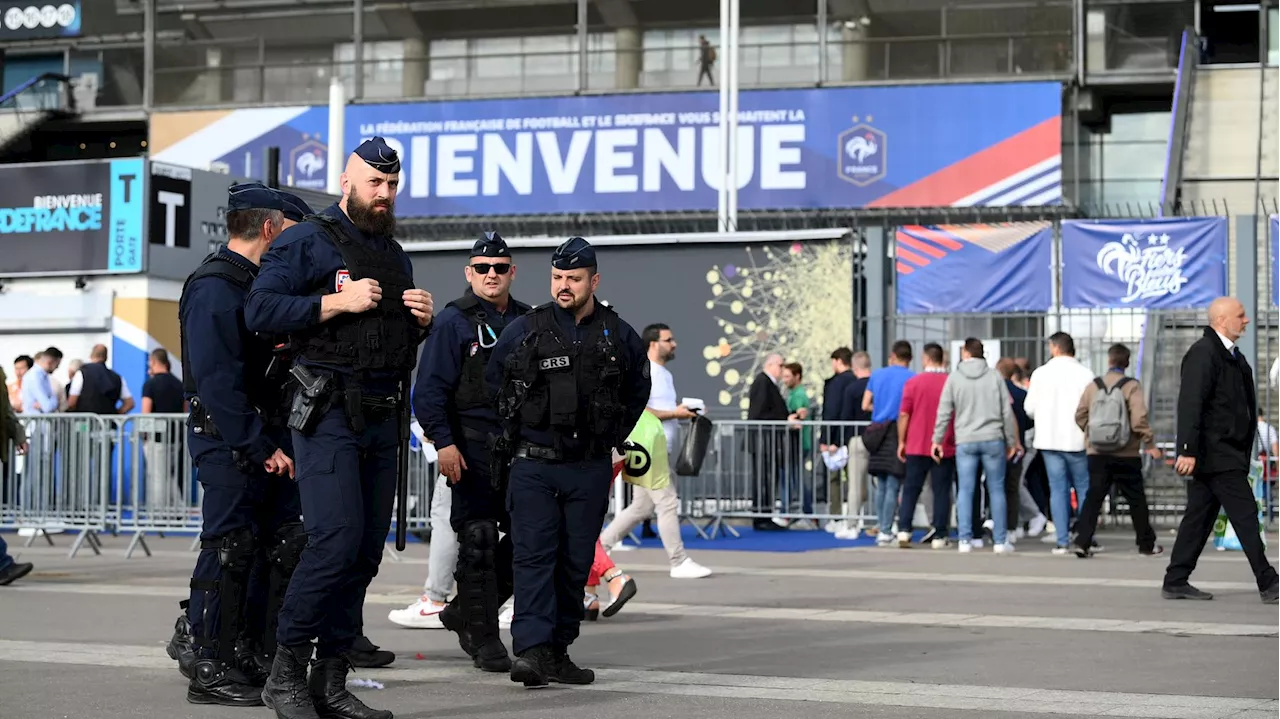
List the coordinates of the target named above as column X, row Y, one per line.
column 1168, row 263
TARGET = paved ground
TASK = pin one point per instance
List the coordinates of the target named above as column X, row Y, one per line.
column 865, row 632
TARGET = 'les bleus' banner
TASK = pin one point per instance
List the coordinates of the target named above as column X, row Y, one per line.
column 1172, row 263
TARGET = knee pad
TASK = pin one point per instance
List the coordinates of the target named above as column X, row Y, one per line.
column 478, row 544
column 286, row 548
column 235, row 549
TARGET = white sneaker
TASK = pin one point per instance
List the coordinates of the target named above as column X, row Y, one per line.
column 904, row 540
column 1005, row 548
column 976, row 543
column 620, row 547
column 689, row 569
column 504, row 619
column 940, row 543
column 422, row 614
column 1037, row 525
column 835, row 527
column 965, row 547
column 849, row 533
column 1017, row 534
column 989, row 524
column 1060, row 551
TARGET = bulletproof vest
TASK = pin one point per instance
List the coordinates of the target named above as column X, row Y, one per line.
column 384, row 338
column 99, row 389
column 257, row 350
column 472, row 393
column 573, row 388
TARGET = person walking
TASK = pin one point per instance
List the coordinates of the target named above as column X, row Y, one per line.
column 1217, row 424
column 1113, row 415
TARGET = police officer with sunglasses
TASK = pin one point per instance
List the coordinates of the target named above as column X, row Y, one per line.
column 456, row 411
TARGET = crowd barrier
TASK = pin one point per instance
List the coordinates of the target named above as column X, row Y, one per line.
column 132, row 475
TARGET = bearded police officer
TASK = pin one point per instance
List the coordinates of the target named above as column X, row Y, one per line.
column 571, row 380
column 342, row 288
column 240, row 448
column 455, row 409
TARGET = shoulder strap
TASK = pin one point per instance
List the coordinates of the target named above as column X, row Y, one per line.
column 337, row 237
column 216, row 265
column 1123, row 381
column 1097, row 381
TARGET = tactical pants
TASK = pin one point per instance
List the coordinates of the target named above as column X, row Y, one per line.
column 235, row 503
column 557, row 510
column 484, row 561
column 347, row 483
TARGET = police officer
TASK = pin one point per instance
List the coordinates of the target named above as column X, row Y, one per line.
column 455, row 408
column 295, row 208
column 571, row 380
column 342, row 288
column 241, row 454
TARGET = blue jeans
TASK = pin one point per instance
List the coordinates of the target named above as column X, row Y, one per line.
column 1066, row 470
column 887, row 501
column 991, row 456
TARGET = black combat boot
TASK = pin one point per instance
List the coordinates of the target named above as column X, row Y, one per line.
column 252, row 662
column 564, row 671
column 180, row 646
column 286, row 690
column 215, row 682
column 492, row 657
column 329, row 692
column 533, row 666
column 453, row 620
column 364, row 653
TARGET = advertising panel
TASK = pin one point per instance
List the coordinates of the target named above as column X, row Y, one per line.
column 72, row 218
column 994, row 144
column 974, row 268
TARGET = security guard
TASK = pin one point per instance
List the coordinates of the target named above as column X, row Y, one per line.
column 241, row 453
column 342, row 288
column 295, row 208
column 571, row 379
column 455, row 409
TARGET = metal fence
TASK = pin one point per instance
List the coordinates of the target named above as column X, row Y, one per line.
column 129, row 475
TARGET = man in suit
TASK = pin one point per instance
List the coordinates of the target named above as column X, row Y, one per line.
column 1217, row 421
column 765, row 402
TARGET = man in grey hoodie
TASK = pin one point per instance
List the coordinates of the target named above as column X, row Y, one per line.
column 986, row 435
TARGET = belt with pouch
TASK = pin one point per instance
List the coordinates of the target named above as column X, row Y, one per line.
column 525, row 450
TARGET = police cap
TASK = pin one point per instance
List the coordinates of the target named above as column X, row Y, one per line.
column 379, row 155
column 295, row 208
column 253, row 196
column 490, row 244
column 573, row 254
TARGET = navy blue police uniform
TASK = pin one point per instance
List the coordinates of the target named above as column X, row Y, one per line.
column 236, row 424
column 352, row 371
column 295, row 208
column 568, row 393
column 455, row 408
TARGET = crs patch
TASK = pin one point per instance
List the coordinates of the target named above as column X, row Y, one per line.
column 341, row 278
column 561, row 362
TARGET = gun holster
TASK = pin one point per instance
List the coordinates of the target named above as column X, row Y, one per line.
column 310, row 401
column 201, row 422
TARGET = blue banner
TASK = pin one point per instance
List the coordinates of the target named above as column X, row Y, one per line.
column 1274, row 226
column 126, row 203
column 1171, row 263
column 974, row 268
column 910, row 146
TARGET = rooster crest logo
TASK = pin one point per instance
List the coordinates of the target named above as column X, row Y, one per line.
column 861, row 155
column 308, row 161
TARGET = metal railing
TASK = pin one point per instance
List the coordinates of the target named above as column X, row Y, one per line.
column 245, row 72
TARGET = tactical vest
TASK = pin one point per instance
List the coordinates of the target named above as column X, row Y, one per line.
column 100, row 389
column 384, row 338
column 257, row 350
column 573, row 389
column 472, row 393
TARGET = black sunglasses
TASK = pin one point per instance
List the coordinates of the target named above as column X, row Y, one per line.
column 483, row 268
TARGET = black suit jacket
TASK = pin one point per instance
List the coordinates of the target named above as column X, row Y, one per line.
column 1217, row 407
column 765, row 400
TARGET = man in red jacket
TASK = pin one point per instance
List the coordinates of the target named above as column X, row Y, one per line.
column 916, row 417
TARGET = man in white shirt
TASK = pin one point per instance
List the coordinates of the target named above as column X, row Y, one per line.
column 1052, row 398
column 662, row 395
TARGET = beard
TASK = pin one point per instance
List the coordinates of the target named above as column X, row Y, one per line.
column 572, row 305
column 670, row 355
column 368, row 219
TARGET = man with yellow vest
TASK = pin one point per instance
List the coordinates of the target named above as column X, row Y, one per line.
column 648, row 470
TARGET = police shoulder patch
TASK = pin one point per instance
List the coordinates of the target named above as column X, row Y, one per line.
column 340, row 279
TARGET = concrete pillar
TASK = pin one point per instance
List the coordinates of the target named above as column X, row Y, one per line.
column 1246, row 284
column 854, row 52
column 876, row 268
column 629, row 58
column 414, row 73
column 216, row 80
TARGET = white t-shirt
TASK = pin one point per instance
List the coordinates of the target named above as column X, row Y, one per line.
column 77, row 384
column 662, row 396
